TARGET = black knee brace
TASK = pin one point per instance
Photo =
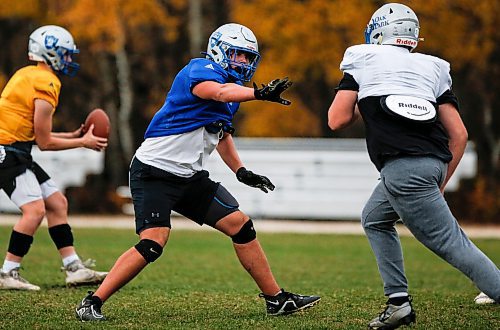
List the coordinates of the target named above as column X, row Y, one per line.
column 149, row 249
column 61, row 235
column 246, row 234
column 19, row 244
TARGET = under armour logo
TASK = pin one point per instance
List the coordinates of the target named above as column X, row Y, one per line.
column 157, row 215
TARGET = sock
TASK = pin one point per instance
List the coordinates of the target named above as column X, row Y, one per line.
column 10, row 265
column 277, row 293
column 96, row 300
column 398, row 298
column 69, row 259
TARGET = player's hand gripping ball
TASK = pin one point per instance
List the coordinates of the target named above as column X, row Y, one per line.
column 101, row 123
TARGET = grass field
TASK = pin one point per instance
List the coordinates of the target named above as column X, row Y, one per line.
column 199, row 284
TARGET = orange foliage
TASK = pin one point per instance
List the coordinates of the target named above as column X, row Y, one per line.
column 464, row 32
column 20, row 8
column 305, row 40
column 483, row 201
column 105, row 23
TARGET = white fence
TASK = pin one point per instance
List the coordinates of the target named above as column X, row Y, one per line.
column 68, row 168
column 314, row 178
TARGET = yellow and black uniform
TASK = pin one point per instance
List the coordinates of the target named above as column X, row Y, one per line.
column 17, row 109
column 17, row 102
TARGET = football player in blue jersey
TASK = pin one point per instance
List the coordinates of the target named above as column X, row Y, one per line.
column 167, row 172
column 415, row 138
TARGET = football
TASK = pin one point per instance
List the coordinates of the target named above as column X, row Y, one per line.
column 101, row 123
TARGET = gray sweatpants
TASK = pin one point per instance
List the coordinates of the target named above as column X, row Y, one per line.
column 409, row 190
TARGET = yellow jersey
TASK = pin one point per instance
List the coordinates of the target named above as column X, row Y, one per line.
column 17, row 102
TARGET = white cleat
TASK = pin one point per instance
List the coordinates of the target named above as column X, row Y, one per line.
column 13, row 281
column 482, row 299
column 79, row 273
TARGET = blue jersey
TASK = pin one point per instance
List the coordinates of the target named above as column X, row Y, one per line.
column 183, row 111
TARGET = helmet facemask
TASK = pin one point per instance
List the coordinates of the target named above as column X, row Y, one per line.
column 239, row 70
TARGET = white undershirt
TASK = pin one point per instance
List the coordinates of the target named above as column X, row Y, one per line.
column 181, row 154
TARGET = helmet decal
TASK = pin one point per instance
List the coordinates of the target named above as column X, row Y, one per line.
column 50, row 42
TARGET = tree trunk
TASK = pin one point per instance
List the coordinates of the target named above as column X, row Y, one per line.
column 195, row 30
column 115, row 163
column 126, row 95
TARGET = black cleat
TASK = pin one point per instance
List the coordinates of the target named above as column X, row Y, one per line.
column 287, row 303
column 89, row 310
column 394, row 316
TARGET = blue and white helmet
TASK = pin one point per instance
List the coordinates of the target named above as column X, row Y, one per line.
column 226, row 42
column 52, row 44
column 393, row 24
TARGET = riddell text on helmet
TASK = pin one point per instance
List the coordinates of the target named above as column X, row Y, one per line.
column 405, row 42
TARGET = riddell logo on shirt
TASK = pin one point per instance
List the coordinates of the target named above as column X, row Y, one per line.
column 406, row 42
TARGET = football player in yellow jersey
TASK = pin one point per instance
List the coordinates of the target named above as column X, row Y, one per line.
column 27, row 105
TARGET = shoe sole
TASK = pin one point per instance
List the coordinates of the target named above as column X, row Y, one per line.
column 311, row 304
column 90, row 282
column 19, row 289
column 75, row 284
column 484, row 301
column 407, row 320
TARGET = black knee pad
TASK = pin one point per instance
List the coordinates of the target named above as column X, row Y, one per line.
column 246, row 234
column 61, row 235
column 149, row 249
column 19, row 244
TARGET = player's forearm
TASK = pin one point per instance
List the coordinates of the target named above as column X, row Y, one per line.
column 234, row 93
column 457, row 148
column 63, row 135
column 58, row 143
column 229, row 154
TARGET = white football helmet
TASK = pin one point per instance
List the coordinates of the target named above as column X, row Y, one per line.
column 53, row 45
column 393, row 24
column 226, row 42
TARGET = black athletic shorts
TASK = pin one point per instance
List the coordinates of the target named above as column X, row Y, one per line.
column 155, row 193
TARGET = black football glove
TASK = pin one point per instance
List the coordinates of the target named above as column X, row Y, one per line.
column 272, row 91
column 254, row 180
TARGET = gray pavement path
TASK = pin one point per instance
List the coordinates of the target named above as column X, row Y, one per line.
column 275, row 226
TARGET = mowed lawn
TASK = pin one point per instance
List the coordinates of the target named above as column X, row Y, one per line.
column 198, row 283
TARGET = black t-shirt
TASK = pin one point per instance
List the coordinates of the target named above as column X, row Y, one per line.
column 388, row 136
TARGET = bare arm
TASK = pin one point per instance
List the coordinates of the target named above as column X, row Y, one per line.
column 228, row 153
column 211, row 90
column 69, row 135
column 343, row 110
column 47, row 141
column 457, row 134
